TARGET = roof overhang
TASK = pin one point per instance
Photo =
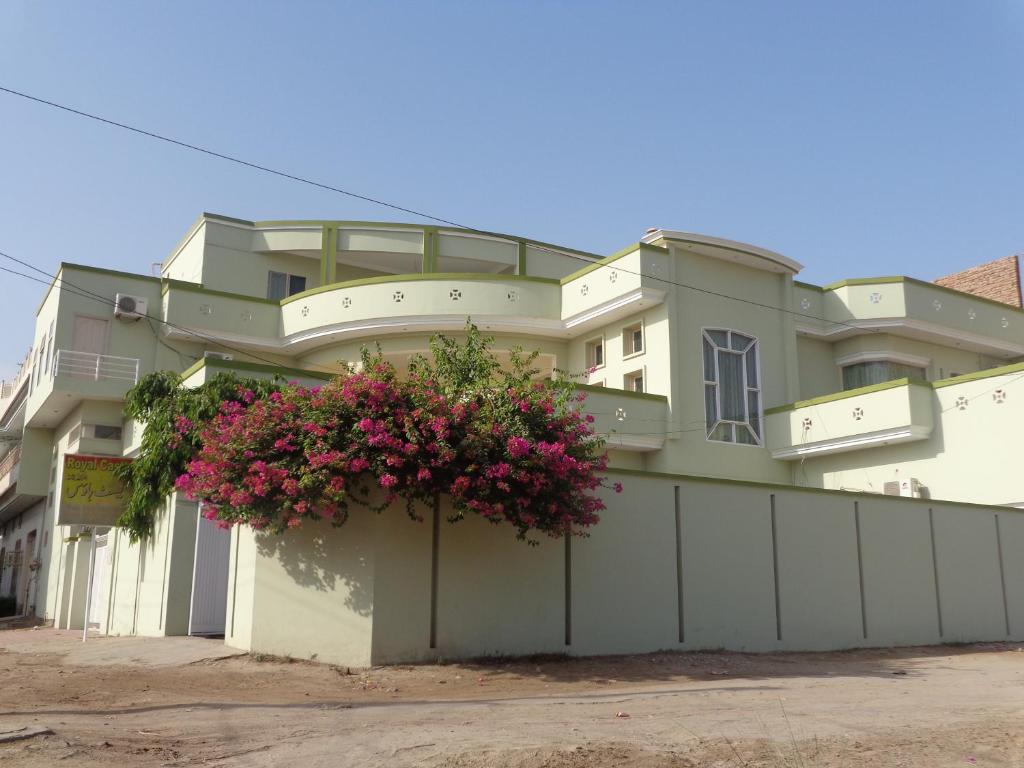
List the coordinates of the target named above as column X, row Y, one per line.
column 725, row 250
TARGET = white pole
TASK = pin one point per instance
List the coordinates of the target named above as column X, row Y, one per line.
column 88, row 586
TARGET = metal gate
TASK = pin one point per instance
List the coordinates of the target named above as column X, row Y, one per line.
column 209, row 579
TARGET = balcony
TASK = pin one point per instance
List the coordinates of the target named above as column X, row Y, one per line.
column 88, row 365
column 77, row 376
column 9, row 466
column 12, row 392
column 614, row 288
column 911, row 308
column 883, row 414
column 628, row 421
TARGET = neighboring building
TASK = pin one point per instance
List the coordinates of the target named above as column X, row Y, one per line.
column 708, row 365
column 998, row 280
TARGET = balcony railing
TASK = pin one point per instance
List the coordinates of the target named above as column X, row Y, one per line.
column 10, row 387
column 8, row 462
column 8, row 468
column 89, row 365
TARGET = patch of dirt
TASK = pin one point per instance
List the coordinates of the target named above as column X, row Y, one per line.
column 909, row 707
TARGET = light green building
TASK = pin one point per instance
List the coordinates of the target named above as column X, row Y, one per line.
column 805, row 467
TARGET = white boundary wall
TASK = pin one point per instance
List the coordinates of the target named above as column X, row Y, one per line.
column 675, row 563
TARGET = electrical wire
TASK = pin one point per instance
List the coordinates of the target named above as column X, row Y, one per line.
column 74, row 289
column 108, row 301
column 383, row 203
column 401, row 208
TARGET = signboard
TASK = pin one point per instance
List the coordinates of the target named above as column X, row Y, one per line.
column 90, row 493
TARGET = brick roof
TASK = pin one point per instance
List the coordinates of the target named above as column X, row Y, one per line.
column 998, row 280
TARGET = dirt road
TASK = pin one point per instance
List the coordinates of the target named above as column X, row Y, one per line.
column 174, row 704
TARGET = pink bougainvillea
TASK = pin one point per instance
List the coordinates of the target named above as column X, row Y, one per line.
column 498, row 443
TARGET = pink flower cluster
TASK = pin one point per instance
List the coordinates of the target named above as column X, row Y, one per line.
column 524, row 455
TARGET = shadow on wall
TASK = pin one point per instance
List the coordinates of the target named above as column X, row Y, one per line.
column 326, row 559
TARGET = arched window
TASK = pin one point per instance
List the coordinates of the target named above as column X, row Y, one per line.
column 732, row 387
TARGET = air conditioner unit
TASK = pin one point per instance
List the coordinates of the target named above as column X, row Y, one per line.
column 910, row 488
column 129, row 307
column 218, row 355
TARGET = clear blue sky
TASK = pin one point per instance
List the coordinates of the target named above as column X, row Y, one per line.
column 875, row 138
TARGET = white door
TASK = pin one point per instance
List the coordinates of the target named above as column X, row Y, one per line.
column 100, row 574
column 210, row 579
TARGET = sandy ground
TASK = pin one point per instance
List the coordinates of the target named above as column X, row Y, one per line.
column 180, row 701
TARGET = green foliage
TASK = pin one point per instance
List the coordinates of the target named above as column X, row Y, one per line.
column 164, row 405
column 466, row 422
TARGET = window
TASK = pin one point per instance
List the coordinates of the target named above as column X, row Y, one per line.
column 104, row 432
column 280, row 285
column 634, row 381
column 595, row 353
column 632, row 340
column 732, row 389
column 49, row 358
column 877, row 372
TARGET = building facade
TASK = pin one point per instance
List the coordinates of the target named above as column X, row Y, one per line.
column 768, row 432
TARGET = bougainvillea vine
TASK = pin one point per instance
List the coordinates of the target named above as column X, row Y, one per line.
column 496, row 440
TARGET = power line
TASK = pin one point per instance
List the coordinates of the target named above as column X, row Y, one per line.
column 107, row 301
column 396, row 207
column 73, row 289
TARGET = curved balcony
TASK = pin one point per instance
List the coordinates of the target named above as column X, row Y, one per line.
column 435, row 301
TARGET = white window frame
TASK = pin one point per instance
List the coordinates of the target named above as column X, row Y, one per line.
column 604, row 352
column 708, row 428
column 642, row 372
column 287, row 283
column 643, row 339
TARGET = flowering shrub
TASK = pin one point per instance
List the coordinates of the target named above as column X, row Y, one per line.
column 498, row 443
column 172, row 415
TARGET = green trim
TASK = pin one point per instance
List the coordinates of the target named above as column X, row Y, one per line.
column 847, row 393
column 324, row 248
column 332, row 254
column 222, row 217
column 962, row 294
column 622, row 392
column 194, row 288
column 780, row 487
column 84, row 268
column 476, row 276
column 400, row 225
column 104, row 271
column 522, row 257
column 808, row 286
column 863, row 281
column 912, row 281
column 168, row 283
column 1002, row 370
column 609, row 259
column 990, row 373
column 245, row 365
column 429, row 250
